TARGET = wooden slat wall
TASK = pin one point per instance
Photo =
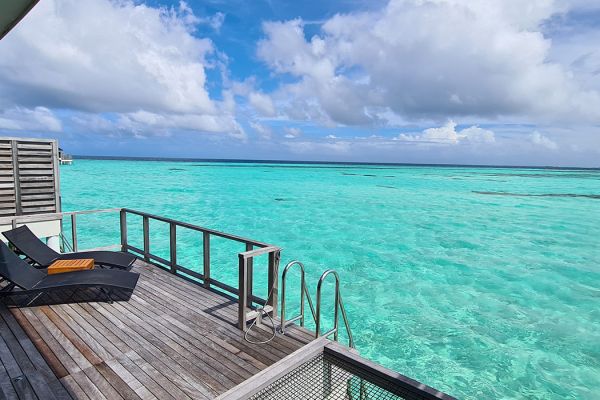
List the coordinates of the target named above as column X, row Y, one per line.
column 28, row 177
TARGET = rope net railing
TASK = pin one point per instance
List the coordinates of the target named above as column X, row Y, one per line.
column 327, row 378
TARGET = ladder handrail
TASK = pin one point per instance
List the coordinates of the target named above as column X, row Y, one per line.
column 339, row 306
column 303, row 292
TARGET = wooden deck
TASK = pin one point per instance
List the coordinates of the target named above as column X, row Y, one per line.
column 172, row 340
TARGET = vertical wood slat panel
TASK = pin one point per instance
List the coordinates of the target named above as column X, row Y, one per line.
column 15, row 160
column 29, row 182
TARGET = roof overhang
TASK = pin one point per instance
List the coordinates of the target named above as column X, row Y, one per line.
column 11, row 12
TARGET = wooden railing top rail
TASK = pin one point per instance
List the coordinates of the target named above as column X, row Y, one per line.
column 54, row 216
column 197, row 228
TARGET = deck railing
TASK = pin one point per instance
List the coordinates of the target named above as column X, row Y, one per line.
column 253, row 248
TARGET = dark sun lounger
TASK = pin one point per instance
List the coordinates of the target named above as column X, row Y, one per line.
column 26, row 280
column 32, row 247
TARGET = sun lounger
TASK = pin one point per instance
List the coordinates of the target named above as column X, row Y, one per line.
column 32, row 247
column 23, row 279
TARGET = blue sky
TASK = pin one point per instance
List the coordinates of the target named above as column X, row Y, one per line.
column 430, row 81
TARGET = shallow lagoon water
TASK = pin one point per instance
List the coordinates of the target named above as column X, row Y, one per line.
column 482, row 282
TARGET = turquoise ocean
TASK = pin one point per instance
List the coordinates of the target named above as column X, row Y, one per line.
column 481, row 282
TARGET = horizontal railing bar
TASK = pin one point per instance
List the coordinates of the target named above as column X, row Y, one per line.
column 292, row 320
column 189, row 272
column 224, row 286
column 103, row 210
column 159, row 259
column 328, row 333
column 258, row 252
column 20, row 219
column 130, row 247
column 258, row 300
column 103, row 248
column 197, row 228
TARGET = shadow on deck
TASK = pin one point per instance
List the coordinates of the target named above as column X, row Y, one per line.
column 171, row 340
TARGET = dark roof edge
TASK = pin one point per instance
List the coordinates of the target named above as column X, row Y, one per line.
column 19, row 17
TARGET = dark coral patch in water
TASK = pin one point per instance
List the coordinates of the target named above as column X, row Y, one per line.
column 588, row 196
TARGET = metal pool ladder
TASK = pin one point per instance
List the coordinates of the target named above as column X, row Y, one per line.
column 316, row 314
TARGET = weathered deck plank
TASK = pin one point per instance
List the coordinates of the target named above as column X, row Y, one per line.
column 24, row 374
column 172, row 340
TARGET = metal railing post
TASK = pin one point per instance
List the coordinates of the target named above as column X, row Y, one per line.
column 74, row 231
column 123, row 226
column 249, row 278
column 243, row 291
column 206, row 258
column 146, row 230
column 273, row 280
column 173, row 246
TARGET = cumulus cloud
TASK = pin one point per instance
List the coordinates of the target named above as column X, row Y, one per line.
column 292, row 133
column 540, row 140
column 447, row 134
column 141, row 120
column 427, row 60
column 215, row 21
column 102, row 56
column 264, row 132
column 39, row 119
column 319, row 148
column 262, row 103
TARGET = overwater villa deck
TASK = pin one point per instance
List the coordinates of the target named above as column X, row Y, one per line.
column 172, row 340
column 182, row 334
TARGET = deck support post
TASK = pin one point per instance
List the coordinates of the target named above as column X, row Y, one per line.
column 173, row 246
column 206, row 258
column 123, row 226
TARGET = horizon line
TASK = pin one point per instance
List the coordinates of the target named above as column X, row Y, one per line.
column 259, row 161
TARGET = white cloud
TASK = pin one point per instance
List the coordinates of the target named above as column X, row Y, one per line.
column 292, row 133
column 142, row 120
column 541, row 140
column 263, row 131
column 323, row 148
column 427, row 60
column 39, row 119
column 262, row 103
column 447, row 134
column 215, row 21
column 101, row 56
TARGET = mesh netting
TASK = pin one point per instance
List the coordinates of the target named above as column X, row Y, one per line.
column 324, row 377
